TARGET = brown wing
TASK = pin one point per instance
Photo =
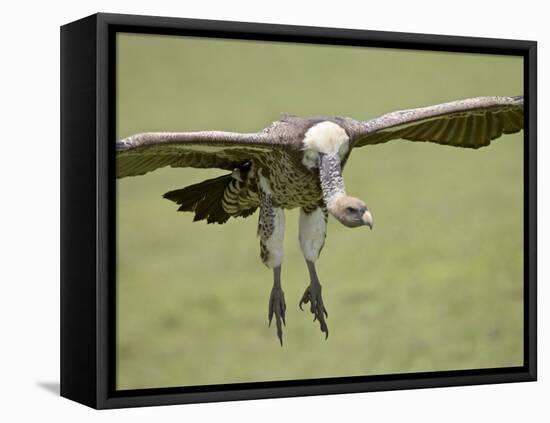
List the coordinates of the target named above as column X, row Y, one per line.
column 145, row 152
column 470, row 123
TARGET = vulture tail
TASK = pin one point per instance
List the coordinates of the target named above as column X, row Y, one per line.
column 205, row 199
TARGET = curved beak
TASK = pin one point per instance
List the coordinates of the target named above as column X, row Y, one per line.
column 367, row 219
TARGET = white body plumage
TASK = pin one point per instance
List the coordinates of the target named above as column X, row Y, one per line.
column 324, row 137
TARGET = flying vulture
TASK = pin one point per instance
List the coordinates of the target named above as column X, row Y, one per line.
column 298, row 162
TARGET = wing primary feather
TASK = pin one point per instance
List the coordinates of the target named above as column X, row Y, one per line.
column 469, row 131
column 435, row 129
column 206, row 149
column 471, row 123
column 513, row 122
column 414, row 132
column 481, row 128
column 496, row 125
column 459, row 130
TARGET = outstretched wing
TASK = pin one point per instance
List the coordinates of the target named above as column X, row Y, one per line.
column 145, row 152
column 470, row 123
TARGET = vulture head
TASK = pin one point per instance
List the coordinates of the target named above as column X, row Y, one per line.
column 351, row 212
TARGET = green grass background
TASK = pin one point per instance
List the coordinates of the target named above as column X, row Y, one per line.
column 437, row 284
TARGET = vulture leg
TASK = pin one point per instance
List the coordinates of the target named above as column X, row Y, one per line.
column 277, row 305
column 271, row 227
column 313, row 229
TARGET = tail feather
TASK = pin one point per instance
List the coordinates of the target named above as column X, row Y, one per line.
column 205, row 199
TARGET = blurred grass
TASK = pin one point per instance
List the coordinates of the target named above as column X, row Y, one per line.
column 436, row 285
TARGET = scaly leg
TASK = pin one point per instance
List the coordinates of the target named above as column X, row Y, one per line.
column 313, row 295
column 277, row 305
column 313, row 226
column 271, row 227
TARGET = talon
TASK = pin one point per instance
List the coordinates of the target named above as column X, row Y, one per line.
column 270, row 313
column 277, row 308
column 313, row 295
column 305, row 298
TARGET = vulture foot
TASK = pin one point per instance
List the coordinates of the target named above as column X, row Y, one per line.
column 313, row 296
column 277, row 307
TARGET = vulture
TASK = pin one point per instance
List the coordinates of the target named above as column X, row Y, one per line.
column 298, row 162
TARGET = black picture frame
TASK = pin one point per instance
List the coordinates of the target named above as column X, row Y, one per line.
column 88, row 286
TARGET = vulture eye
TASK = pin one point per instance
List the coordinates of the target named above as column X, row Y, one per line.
column 351, row 209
